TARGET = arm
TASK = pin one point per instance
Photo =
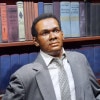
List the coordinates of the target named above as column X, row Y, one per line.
column 15, row 90
column 94, row 84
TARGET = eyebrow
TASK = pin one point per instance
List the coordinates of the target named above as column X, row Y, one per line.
column 50, row 29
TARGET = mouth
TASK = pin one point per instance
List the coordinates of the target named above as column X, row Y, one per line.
column 54, row 44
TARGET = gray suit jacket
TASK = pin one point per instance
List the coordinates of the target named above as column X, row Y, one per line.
column 33, row 82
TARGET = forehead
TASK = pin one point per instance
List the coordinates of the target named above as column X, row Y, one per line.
column 47, row 23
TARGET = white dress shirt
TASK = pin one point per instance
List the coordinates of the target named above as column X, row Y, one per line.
column 53, row 70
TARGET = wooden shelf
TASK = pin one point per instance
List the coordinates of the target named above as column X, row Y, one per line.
column 12, row 44
column 67, row 40
column 82, row 39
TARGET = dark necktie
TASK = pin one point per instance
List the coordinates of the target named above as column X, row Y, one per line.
column 63, row 81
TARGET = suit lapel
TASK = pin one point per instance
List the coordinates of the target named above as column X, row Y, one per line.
column 74, row 69
column 44, row 81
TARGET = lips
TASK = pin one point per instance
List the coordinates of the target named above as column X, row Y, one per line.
column 54, row 44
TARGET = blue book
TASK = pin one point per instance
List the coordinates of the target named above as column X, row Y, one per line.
column 5, row 72
column 97, row 61
column 74, row 16
column 88, row 51
column 23, row 59
column 65, row 18
column 40, row 7
column 14, row 63
column 32, row 56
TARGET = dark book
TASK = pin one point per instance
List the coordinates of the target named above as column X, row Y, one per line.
column 0, row 26
column 14, row 63
column 97, row 19
column 32, row 56
column 82, row 19
column 56, row 9
column 87, row 17
column 5, row 72
column 12, row 20
column 93, row 19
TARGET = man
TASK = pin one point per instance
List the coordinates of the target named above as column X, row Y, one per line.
column 40, row 79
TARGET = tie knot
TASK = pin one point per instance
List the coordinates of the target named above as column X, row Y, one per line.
column 58, row 61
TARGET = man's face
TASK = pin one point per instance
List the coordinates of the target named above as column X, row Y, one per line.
column 50, row 36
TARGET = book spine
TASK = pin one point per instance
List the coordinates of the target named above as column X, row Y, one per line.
column 48, row 7
column 31, row 17
column 75, row 29
column 5, row 72
column 65, row 18
column 40, row 8
column 12, row 20
column 32, row 56
column 21, row 21
column 0, row 26
column 93, row 19
column 23, row 59
column 35, row 9
column 4, row 22
column 87, row 6
column 97, row 19
column 56, row 9
column 26, row 19
column 82, row 19
column 14, row 59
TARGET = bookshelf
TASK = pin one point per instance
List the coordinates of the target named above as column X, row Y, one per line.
column 28, row 46
column 80, row 40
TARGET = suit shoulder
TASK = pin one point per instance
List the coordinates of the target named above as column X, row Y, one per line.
column 75, row 54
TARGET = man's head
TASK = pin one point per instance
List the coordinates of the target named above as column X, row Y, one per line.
column 47, row 34
column 41, row 17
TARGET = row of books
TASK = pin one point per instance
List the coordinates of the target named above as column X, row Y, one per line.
column 80, row 19
column 77, row 18
column 10, row 63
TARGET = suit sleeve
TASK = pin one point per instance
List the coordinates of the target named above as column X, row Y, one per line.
column 94, row 84
column 15, row 90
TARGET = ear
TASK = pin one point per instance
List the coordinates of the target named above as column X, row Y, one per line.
column 62, row 34
column 35, row 41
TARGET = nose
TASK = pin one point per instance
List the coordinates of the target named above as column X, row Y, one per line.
column 52, row 35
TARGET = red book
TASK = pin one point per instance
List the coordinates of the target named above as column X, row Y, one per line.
column 35, row 9
column 4, row 22
column 0, row 27
column 12, row 23
column 26, row 19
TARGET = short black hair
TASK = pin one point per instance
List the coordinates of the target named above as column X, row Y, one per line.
column 41, row 17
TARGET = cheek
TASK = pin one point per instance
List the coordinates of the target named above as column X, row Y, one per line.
column 43, row 42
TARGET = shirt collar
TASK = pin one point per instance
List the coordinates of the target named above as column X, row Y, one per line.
column 47, row 58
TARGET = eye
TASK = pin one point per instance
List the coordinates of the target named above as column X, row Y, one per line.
column 45, row 33
column 56, row 30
